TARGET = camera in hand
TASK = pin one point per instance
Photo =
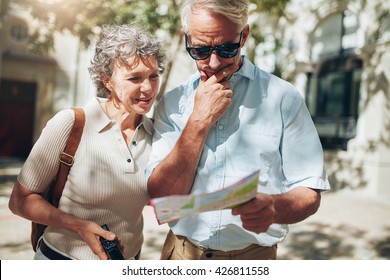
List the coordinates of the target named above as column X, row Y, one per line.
column 111, row 247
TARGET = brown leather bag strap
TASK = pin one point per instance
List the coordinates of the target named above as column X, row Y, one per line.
column 67, row 156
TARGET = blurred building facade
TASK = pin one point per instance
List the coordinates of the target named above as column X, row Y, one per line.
column 336, row 52
column 32, row 87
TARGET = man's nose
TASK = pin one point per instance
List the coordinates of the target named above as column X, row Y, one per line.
column 215, row 61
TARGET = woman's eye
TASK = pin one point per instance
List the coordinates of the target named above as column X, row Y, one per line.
column 133, row 79
column 154, row 76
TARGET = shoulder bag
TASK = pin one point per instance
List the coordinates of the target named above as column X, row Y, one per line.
column 54, row 192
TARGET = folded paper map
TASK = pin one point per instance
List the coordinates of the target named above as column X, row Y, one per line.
column 170, row 208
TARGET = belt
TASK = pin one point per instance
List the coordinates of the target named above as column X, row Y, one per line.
column 185, row 249
column 50, row 253
column 53, row 255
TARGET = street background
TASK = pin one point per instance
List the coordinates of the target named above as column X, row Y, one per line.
column 348, row 225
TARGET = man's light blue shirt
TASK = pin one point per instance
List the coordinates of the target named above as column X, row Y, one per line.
column 266, row 128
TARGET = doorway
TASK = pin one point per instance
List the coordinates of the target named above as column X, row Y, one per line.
column 17, row 115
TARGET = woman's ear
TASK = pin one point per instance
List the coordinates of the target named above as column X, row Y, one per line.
column 106, row 82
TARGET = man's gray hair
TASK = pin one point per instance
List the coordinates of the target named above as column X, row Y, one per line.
column 235, row 10
column 117, row 44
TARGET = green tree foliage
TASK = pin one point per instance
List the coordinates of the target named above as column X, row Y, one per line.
column 271, row 7
column 83, row 18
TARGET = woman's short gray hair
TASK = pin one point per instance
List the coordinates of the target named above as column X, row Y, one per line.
column 235, row 10
column 117, row 44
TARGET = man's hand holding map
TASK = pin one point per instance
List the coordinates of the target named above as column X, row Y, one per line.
column 173, row 207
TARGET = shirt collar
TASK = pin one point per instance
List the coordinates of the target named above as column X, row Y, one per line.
column 97, row 117
column 247, row 70
column 147, row 123
column 100, row 120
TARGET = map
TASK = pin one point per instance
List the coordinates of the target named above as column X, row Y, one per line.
column 170, row 208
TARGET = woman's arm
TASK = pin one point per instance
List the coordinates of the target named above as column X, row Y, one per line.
column 34, row 207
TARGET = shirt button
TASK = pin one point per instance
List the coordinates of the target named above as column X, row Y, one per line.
column 220, row 127
column 129, row 160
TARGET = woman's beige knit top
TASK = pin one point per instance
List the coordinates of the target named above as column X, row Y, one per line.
column 106, row 184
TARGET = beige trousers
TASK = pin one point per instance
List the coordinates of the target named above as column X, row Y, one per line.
column 178, row 247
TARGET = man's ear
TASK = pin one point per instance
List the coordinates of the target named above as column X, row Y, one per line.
column 245, row 34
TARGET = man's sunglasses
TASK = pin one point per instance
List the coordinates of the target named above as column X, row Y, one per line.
column 226, row 50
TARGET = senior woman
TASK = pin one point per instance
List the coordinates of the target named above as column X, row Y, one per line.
column 106, row 184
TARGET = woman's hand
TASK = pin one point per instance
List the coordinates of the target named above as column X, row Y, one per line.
column 91, row 232
column 34, row 207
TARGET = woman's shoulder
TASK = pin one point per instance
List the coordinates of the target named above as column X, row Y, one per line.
column 64, row 114
column 62, row 120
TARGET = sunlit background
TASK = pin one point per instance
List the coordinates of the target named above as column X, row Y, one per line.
column 336, row 52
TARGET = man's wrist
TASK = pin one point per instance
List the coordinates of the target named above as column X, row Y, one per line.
column 199, row 126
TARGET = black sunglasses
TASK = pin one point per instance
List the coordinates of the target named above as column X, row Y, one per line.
column 226, row 50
